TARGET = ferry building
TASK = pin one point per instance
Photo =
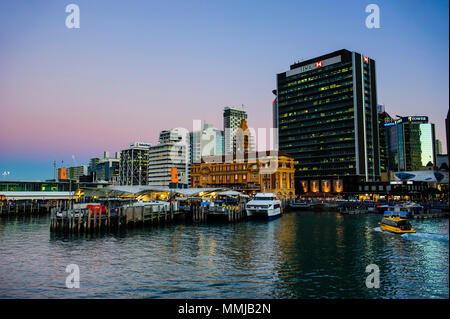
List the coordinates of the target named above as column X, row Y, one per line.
column 254, row 172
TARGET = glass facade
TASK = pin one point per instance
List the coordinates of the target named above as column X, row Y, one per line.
column 326, row 116
column 410, row 145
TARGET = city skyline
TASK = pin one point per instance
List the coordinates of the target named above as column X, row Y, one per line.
column 130, row 72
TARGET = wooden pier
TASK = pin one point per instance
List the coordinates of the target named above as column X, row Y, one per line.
column 27, row 208
column 229, row 213
column 91, row 220
column 430, row 213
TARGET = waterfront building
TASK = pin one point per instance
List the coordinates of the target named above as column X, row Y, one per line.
column 206, row 142
column 72, row 172
column 232, row 118
column 410, row 144
column 106, row 168
column 133, row 169
column 326, row 114
column 269, row 171
column 172, row 152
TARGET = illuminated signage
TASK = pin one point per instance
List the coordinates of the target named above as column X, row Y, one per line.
column 417, row 118
column 174, row 174
column 63, row 174
column 412, row 119
column 314, row 65
column 389, row 124
column 139, row 144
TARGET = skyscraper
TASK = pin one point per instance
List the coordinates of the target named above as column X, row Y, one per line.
column 327, row 119
column 410, row 144
column 383, row 118
column 232, row 118
column 206, row 142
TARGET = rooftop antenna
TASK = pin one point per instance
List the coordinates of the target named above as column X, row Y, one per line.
column 74, row 160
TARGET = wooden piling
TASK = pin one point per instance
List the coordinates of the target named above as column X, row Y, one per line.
column 89, row 220
column 165, row 214
column 159, row 212
column 79, row 220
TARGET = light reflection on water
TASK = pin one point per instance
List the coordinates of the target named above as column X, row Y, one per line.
column 301, row 255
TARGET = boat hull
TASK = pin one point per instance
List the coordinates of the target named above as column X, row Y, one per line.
column 269, row 214
column 395, row 230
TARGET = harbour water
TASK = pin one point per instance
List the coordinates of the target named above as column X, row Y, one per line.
column 300, row 255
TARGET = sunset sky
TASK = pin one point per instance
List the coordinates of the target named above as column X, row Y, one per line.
column 135, row 68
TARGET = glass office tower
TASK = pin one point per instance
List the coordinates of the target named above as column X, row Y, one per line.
column 326, row 114
column 410, row 144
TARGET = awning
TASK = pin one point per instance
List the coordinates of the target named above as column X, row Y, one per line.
column 116, row 191
column 232, row 193
column 36, row 195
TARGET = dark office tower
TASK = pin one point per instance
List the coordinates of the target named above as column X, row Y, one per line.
column 383, row 118
column 327, row 118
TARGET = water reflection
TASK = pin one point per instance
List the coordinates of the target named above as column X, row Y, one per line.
column 301, row 255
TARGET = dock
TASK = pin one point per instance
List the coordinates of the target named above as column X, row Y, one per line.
column 91, row 220
column 28, row 208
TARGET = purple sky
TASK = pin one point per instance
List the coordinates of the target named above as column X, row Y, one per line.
column 135, row 68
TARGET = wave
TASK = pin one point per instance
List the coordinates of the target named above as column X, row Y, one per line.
column 429, row 236
column 436, row 237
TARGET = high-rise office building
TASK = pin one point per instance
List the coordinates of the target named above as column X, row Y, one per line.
column 106, row 168
column 232, row 118
column 133, row 168
column 383, row 118
column 410, row 144
column 171, row 152
column 206, row 142
column 326, row 114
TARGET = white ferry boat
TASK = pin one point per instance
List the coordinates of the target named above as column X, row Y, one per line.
column 264, row 205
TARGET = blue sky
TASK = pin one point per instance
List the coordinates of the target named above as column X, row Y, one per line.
column 135, row 68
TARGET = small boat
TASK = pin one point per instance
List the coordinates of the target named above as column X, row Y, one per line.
column 325, row 206
column 355, row 211
column 264, row 205
column 300, row 205
column 393, row 223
